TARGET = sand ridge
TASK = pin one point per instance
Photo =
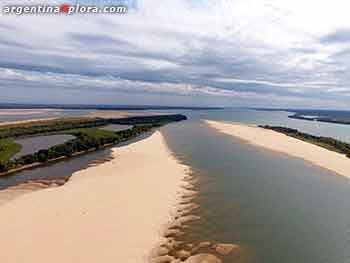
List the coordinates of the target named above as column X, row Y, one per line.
column 279, row 142
column 113, row 212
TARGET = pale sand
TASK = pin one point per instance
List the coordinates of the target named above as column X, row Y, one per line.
column 8, row 123
column 119, row 114
column 279, row 142
column 96, row 114
column 14, row 192
column 10, row 112
column 113, row 212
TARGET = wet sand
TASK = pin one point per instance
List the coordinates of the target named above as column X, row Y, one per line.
column 118, row 114
column 279, row 142
column 114, row 212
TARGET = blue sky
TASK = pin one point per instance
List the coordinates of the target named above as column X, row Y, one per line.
column 277, row 53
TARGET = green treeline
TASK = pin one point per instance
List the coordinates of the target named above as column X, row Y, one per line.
column 50, row 127
column 338, row 120
column 64, row 124
column 325, row 142
column 149, row 119
column 87, row 139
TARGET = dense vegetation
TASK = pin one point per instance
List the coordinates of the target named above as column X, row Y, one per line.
column 50, row 127
column 149, row 119
column 87, row 139
column 339, row 120
column 331, row 116
column 325, row 142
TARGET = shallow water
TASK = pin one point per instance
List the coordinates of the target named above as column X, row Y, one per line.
column 278, row 118
column 116, row 127
column 33, row 144
column 62, row 169
column 278, row 208
column 29, row 114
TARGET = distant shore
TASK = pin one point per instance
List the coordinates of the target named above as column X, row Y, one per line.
column 10, row 123
column 113, row 212
column 279, row 142
column 10, row 112
column 38, row 120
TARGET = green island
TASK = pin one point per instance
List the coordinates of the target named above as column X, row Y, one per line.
column 337, row 120
column 325, row 142
column 88, row 137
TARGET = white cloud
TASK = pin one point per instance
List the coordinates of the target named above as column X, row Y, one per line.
column 212, row 48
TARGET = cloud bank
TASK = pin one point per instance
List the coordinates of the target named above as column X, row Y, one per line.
column 181, row 52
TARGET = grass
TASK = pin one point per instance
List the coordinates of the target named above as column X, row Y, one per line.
column 92, row 132
column 8, row 148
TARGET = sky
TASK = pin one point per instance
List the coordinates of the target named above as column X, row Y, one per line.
column 238, row 53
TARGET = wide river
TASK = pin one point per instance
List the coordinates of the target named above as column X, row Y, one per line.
column 279, row 209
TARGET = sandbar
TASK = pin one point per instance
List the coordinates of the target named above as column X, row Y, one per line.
column 279, row 142
column 112, row 212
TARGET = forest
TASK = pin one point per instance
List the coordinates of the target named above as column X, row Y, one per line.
column 88, row 138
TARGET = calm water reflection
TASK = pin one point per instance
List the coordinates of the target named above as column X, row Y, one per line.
column 34, row 144
column 116, row 127
column 278, row 208
column 62, row 169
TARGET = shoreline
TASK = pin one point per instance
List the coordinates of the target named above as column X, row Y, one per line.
column 278, row 142
column 39, row 120
column 52, row 161
column 92, row 115
column 49, row 181
column 105, row 213
column 87, row 137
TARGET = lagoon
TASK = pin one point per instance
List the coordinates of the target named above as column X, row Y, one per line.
column 33, row 144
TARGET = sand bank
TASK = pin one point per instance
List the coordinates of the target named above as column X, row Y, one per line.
column 8, row 123
column 275, row 141
column 119, row 114
column 14, row 192
column 92, row 115
column 113, row 212
column 10, row 112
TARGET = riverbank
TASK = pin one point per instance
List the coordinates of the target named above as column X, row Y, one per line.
column 87, row 137
column 279, row 142
column 113, row 212
column 39, row 120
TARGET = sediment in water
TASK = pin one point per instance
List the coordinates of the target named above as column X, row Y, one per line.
column 174, row 248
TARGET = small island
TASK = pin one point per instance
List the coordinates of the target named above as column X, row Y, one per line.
column 324, row 152
column 87, row 138
column 325, row 142
column 329, row 119
column 328, row 116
